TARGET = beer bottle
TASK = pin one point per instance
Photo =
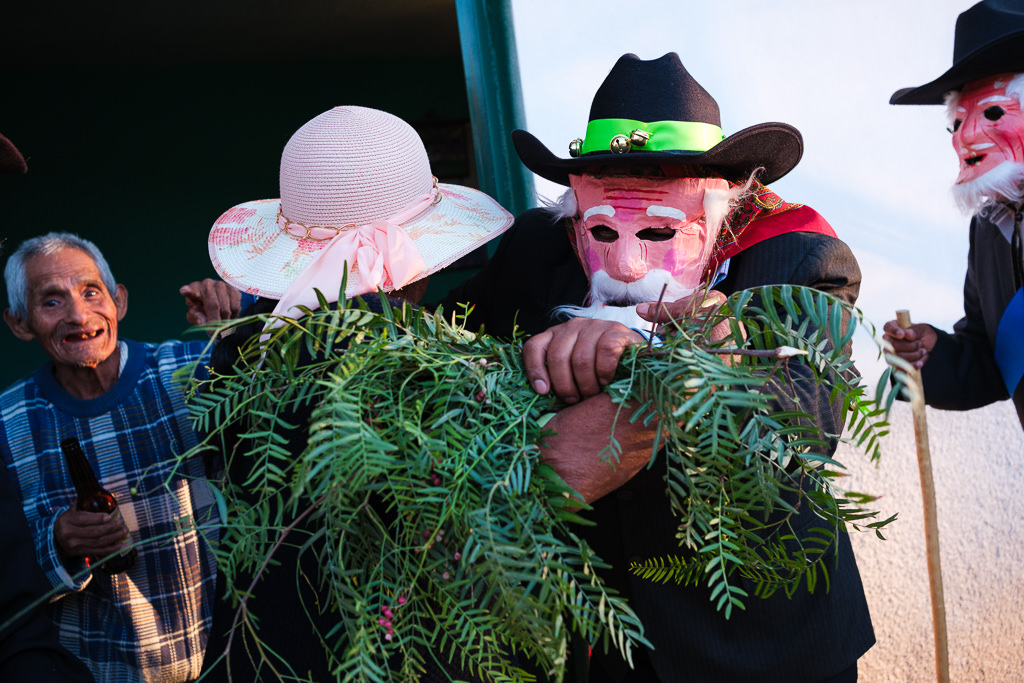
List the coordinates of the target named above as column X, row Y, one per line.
column 94, row 498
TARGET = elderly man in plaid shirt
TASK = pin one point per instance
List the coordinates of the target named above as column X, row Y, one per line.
column 122, row 401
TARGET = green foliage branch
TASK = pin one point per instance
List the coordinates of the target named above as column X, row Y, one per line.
column 441, row 533
column 742, row 451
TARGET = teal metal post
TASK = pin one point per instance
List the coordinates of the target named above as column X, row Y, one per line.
column 495, row 100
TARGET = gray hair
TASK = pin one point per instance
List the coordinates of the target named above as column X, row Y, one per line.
column 47, row 245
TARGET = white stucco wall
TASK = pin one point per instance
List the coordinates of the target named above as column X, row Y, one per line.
column 978, row 463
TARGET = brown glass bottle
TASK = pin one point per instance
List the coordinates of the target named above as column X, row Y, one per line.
column 94, row 498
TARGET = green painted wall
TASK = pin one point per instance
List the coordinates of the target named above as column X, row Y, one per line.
column 487, row 34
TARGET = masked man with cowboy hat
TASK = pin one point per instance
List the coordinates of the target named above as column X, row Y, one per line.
column 983, row 360
column 660, row 197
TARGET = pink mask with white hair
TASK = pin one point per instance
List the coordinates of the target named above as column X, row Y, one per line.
column 988, row 127
column 638, row 234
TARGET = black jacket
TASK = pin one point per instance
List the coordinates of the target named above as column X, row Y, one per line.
column 807, row 638
column 961, row 372
column 29, row 650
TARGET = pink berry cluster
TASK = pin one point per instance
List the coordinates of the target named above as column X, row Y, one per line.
column 385, row 619
column 481, row 396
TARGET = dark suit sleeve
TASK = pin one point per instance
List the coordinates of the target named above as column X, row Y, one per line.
column 961, row 371
column 810, row 260
column 798, row 258
column 29, row 650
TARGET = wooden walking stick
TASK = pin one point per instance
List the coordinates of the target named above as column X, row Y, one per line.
column 931, row 519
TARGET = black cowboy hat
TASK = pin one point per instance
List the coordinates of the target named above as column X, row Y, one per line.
column 989, row 40
column 654, row 112
column 11, row 160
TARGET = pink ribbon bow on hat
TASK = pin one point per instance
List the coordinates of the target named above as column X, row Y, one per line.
column 374, row 254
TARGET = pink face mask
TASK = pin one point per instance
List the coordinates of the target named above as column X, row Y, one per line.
column 636, row 229
column 988, row 128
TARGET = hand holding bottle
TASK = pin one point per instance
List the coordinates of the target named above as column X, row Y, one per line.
column 89, row 534
column 95, row 517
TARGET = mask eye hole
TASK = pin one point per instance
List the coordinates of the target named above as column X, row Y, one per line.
column 994, row 113
column 602, row 233
column 656, row 234
column 956, row 125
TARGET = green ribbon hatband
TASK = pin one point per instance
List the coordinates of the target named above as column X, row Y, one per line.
column 666, row 136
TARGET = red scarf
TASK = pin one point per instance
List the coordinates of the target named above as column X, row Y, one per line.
column 761, row 215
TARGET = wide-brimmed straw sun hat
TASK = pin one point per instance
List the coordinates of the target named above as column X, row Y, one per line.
column 356, row 188
column 989, row 40
column 655, row 113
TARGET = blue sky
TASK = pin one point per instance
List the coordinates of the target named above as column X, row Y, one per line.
column 879, row 174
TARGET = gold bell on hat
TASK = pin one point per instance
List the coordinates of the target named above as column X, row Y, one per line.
column 639, row 138
column 576, row 147
column 620, row 144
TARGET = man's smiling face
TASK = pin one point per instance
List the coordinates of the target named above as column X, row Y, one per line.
column 988, row 127
column 70, row 311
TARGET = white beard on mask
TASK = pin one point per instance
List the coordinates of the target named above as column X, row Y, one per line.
column 615, row 300
column 1002, row 184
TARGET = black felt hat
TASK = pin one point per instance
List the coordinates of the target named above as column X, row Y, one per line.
column 654, row 112
column 989, row 40
column 11, row 160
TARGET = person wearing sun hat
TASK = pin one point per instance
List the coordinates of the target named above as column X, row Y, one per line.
column 982, row 361
column 356, row 189
column 358, row 205
column 659, row 196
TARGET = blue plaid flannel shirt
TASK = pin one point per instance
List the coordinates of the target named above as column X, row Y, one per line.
column 151, row 622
